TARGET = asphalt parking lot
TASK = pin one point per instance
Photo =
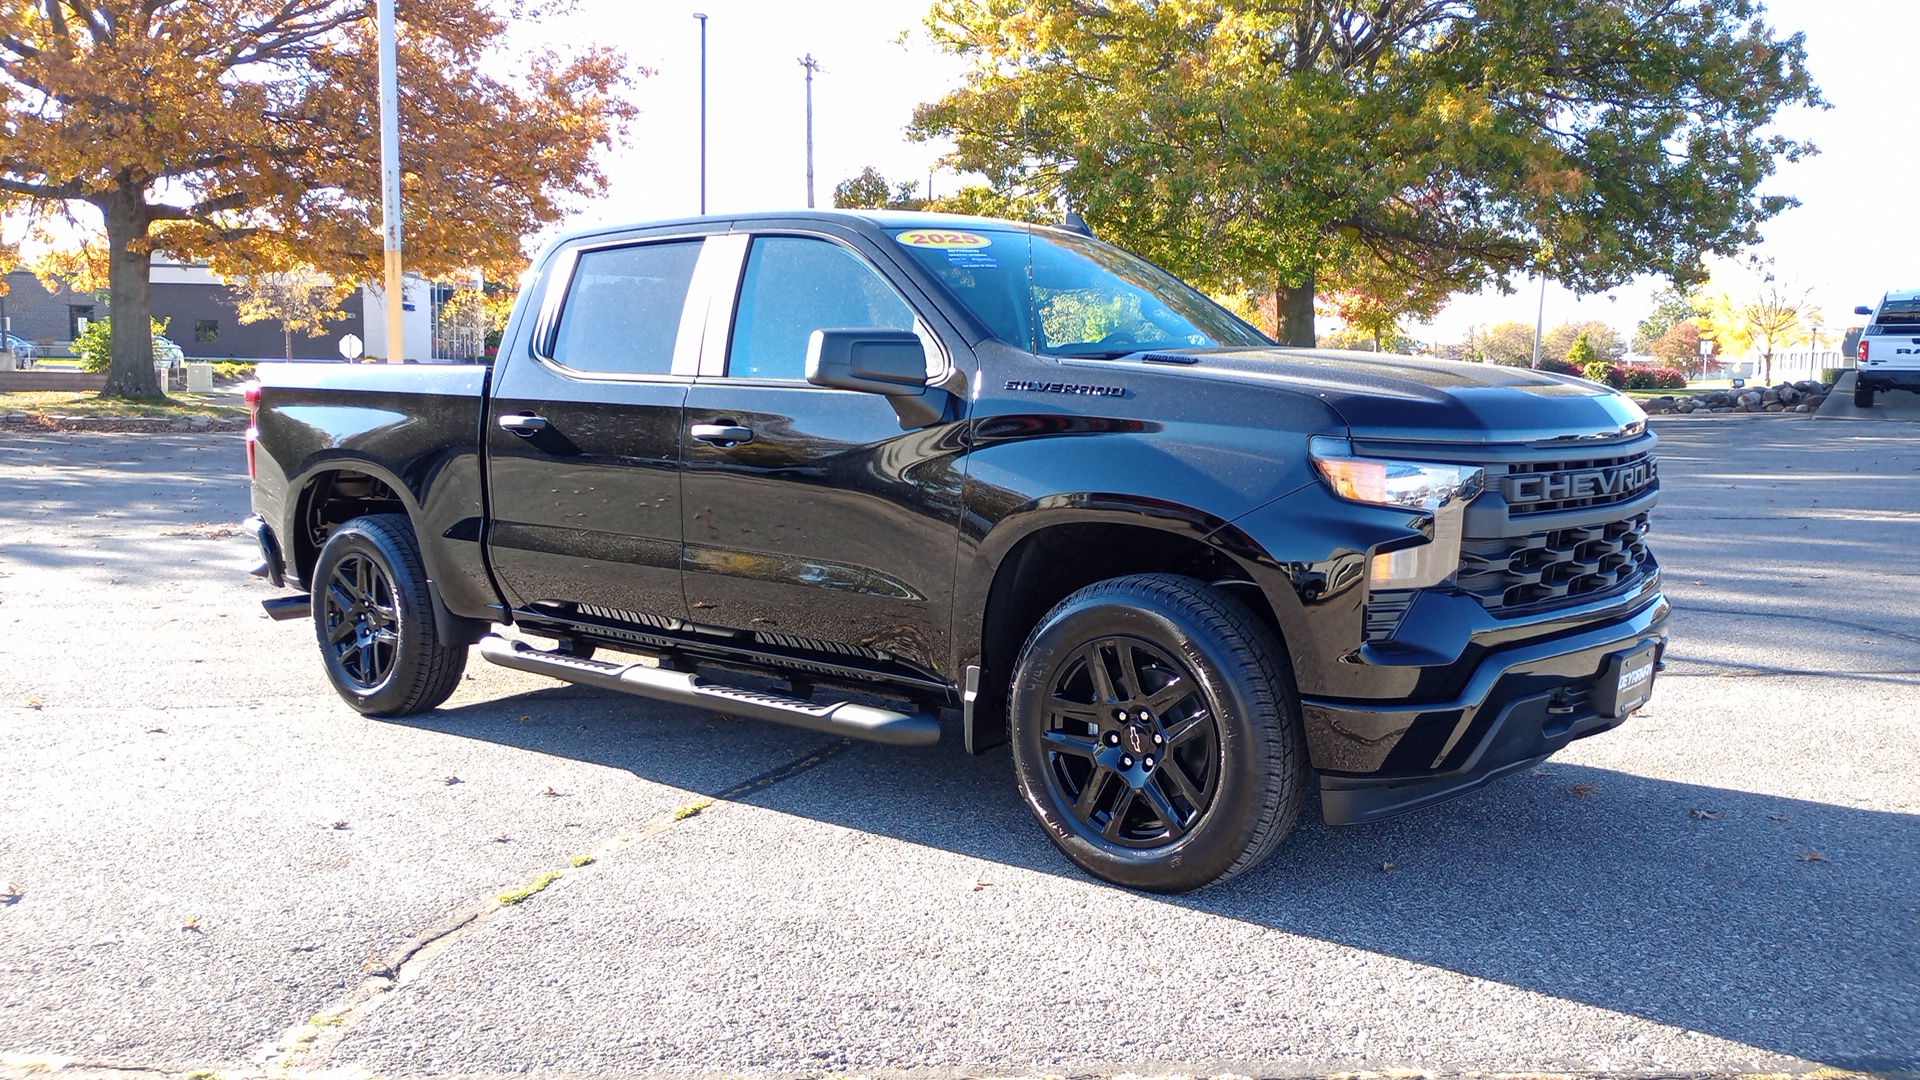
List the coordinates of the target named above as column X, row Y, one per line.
column 210, row 863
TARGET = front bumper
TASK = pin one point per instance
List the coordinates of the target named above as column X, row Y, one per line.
column 1521, row 705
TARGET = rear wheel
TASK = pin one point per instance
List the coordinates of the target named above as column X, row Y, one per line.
column 1156, row 733
column 1863, row 397
column 374, row 620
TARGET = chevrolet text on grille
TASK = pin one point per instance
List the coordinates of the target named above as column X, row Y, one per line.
column 1582, row 484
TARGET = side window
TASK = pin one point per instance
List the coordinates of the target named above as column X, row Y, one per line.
column 622, row 312
column 794, row 286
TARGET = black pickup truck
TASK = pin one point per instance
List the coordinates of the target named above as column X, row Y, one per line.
column 787, row 466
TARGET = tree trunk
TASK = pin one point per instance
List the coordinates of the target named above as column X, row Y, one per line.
column 129, row 296
column 1293, row 313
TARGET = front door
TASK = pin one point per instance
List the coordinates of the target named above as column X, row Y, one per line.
column 583, row 437
column 830, row 530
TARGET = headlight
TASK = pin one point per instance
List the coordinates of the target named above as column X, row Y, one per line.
column 1428, row 487
column 1416, row 485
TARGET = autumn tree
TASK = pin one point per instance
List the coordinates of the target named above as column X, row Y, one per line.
column 1767, row 315
column 1509, row 343
column 245, row 132
column 1679, row 347
column 1606, row 344
column 1288, row 146
column 300, row 300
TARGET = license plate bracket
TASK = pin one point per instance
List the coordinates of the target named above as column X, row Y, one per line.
column 1626, row 680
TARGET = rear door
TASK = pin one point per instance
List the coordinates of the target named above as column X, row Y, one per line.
column 583, row 433
column 830, row 530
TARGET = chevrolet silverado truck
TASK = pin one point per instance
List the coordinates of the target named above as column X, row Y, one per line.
column 851, row 470
column 1889, row 357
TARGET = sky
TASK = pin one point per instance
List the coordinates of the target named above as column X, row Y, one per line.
column 1848, row 242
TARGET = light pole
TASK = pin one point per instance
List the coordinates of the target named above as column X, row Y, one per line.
column 390, row 182
column 812, row 66
column 1540, row 318
column 703, row 111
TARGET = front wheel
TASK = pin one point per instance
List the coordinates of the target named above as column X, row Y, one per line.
column 1156, row 733
column 374, row 619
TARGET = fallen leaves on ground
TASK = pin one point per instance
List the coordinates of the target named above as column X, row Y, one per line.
column 1581, row 791
column 1385, row 866
column 340, row 825
column 451, row 780
column 552, row 794
column 1813, row 856
column 1707, row 815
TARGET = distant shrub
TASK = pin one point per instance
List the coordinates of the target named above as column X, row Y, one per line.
column 94, row 347
column 1602, row 372
column 1560, row 367
column 1832, row 374
column 227, row 371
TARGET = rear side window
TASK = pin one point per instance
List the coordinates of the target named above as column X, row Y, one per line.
column 793, row 286
column 1898, row 316
column 622, row 312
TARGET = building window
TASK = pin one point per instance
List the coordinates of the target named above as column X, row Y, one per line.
column 78, row 316
column 206, row 329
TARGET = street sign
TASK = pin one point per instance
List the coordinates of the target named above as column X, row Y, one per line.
column 351, row 347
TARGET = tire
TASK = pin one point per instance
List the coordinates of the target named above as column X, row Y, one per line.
column 1221, row 726
column 374, row 620
column 1862, row 397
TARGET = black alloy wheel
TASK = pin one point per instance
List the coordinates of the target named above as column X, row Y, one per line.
column 361, row 621
column 1131, row 742
column 1156, row 733
column 374, row 620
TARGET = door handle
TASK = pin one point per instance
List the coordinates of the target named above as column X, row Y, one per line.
column 522, row 424
column 722, row 434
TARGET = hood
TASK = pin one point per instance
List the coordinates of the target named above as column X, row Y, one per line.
column 1387, row 396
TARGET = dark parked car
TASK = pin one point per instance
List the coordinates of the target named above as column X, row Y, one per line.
column 1002, row 468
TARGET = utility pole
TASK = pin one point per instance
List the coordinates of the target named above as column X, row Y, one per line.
column 390, row 182
column 1540, row 319
column 703, row 111
column 812, row 66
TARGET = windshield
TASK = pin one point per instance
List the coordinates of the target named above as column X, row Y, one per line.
column 1070, row 296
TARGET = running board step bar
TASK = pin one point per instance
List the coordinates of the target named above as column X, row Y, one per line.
column 683, row 688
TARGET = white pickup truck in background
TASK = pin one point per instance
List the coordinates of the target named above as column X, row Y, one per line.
column 1889, row 347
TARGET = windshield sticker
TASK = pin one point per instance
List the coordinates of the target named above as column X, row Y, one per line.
column 970, row 257
column 943, row 239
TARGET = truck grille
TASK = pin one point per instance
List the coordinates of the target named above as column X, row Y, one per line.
column 1561, row 566
column 1550, row 486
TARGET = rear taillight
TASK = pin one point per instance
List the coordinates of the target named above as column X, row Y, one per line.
column 253, row 425
column 1863, row 351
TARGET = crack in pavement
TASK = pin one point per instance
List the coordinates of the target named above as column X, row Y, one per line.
column 324, row 1030
column 1754, row 613
column 1736, row 669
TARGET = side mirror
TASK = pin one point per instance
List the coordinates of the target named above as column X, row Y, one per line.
column 1863, row 310
column 878, row 361
column 890, row 362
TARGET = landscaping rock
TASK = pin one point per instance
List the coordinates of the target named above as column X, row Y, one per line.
column 202, row 422
column 17, row 418
column 179, row 423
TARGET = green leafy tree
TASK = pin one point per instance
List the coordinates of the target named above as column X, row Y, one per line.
column 94, row 346
column 872, row 191
column 1671, row 307
column 1582, row 353
column 1296, row 147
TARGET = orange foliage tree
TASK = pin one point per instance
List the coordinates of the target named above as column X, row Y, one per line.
column 246, row 132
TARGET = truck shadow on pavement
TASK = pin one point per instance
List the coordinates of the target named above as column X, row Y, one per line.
column 1783, row 924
